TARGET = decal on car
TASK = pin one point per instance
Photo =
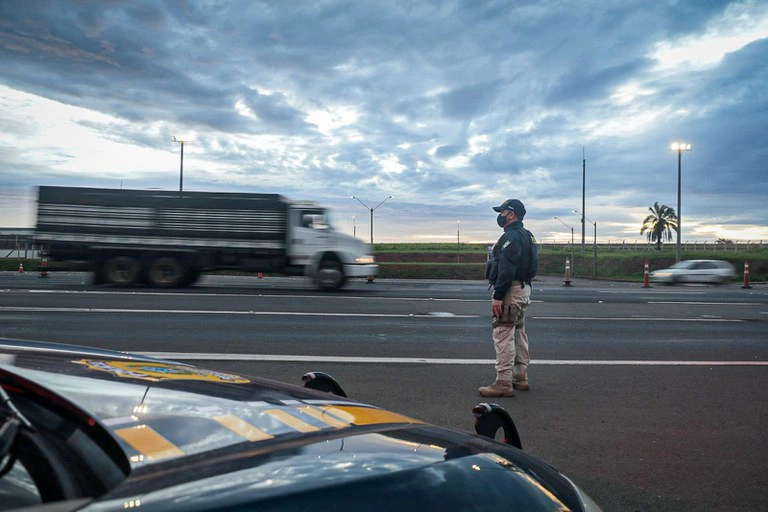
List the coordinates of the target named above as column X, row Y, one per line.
column 157, row 372
column 154, row 438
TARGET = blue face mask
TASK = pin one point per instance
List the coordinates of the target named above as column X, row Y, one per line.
column 501, row 220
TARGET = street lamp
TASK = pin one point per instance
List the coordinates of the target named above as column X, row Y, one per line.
column 594, row 241
column 679, row 147
column 571, row 228
column 371, row 210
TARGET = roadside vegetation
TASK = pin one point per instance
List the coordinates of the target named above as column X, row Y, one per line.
column 467, row 261
column 625, row 263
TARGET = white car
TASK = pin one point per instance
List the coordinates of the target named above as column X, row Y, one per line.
column 696, row 271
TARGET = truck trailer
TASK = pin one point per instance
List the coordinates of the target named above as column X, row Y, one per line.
column 167, row 239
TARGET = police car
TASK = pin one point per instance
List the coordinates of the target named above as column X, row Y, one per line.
column 89, row 429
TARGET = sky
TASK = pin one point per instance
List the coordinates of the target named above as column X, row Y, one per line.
column 449, row 107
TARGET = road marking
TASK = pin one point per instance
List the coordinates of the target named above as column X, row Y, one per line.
column 690, row 303
column 351, row 315
column 256, row 295
column 252, row 313
column 202, row 356
column 641, row 318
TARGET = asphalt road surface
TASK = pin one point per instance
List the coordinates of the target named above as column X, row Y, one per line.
column 649, row 398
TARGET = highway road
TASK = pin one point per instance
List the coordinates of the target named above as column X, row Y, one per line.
column 649, row 398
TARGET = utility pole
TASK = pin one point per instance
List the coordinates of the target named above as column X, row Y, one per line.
column 583, row 192
column 371, row 210
column 458, row 241
column 679, row 147
column 181, row 165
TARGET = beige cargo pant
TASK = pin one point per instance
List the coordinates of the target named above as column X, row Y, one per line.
column 509, row 337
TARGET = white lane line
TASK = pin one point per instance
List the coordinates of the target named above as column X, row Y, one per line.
column 649, row 292
column 250, row 313
column 350, row 315
column 252, row 295
column 634, row 318
column 202, row 356
column 691, row 303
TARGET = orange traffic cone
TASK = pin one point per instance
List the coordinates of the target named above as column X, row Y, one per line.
column 646, row 276
column 21, row 268
column 370, row 279
column 261, row 276
column 567, row 280
column 44, row 268
column 746, row 275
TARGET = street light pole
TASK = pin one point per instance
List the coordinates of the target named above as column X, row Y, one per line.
column 458, row 241
column 371, row 210
column 594, row 242
column 181, row 165
column 583, row 192
column 571, row 228
column 679, row 147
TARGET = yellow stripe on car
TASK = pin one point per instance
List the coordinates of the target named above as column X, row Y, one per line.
column 358, row 415
column 322, row 414
column 149, row 443
column 242, row 427
column 291, row 420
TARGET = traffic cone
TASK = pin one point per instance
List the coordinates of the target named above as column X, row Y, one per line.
column 261, row 276
column 21, row 268
column 44, row 268
column 746, row 275
column 646, row 276
column 567, row 280
column 370, row 279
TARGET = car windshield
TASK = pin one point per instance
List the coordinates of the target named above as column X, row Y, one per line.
column 682, row 264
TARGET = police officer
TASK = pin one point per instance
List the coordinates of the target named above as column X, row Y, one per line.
column 513, row 256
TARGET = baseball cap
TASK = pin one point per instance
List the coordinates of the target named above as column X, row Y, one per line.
column 512, row 204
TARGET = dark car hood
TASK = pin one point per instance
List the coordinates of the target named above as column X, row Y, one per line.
column 201, row 440
column 161, row 410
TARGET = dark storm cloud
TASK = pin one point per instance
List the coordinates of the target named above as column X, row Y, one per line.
column 433, row 101
column 583, row 84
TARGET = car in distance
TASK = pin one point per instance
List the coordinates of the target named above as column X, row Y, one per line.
column 696, row 271
column 90, row 429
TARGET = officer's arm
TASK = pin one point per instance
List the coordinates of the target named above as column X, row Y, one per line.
column 508, row 261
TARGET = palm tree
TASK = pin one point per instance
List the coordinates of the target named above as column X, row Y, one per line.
column 659, row 224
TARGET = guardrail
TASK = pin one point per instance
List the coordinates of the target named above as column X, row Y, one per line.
column 687, row 246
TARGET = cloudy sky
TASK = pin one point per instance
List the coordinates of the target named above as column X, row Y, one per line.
column 449, row 107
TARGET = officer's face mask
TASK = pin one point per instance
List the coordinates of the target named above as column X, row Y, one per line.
column 501, row 220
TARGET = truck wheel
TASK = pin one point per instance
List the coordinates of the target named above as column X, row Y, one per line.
column 330, row 275
column 165, row 272
column 191, row 277
column 122, row 270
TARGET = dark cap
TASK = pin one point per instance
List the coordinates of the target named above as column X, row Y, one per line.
column 512, row 204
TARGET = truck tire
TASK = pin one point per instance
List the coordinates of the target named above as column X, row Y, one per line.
column 122, row 270
column 330, row 275
column 191, row 276
column 166, row 272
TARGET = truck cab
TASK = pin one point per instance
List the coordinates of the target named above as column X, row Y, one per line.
column 323, row 254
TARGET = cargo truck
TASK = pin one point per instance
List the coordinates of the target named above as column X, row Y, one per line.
column 168, row 239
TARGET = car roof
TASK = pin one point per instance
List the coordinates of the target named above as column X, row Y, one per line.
column 688, row 263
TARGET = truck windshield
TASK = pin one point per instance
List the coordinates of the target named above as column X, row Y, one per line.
column 316, row 219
